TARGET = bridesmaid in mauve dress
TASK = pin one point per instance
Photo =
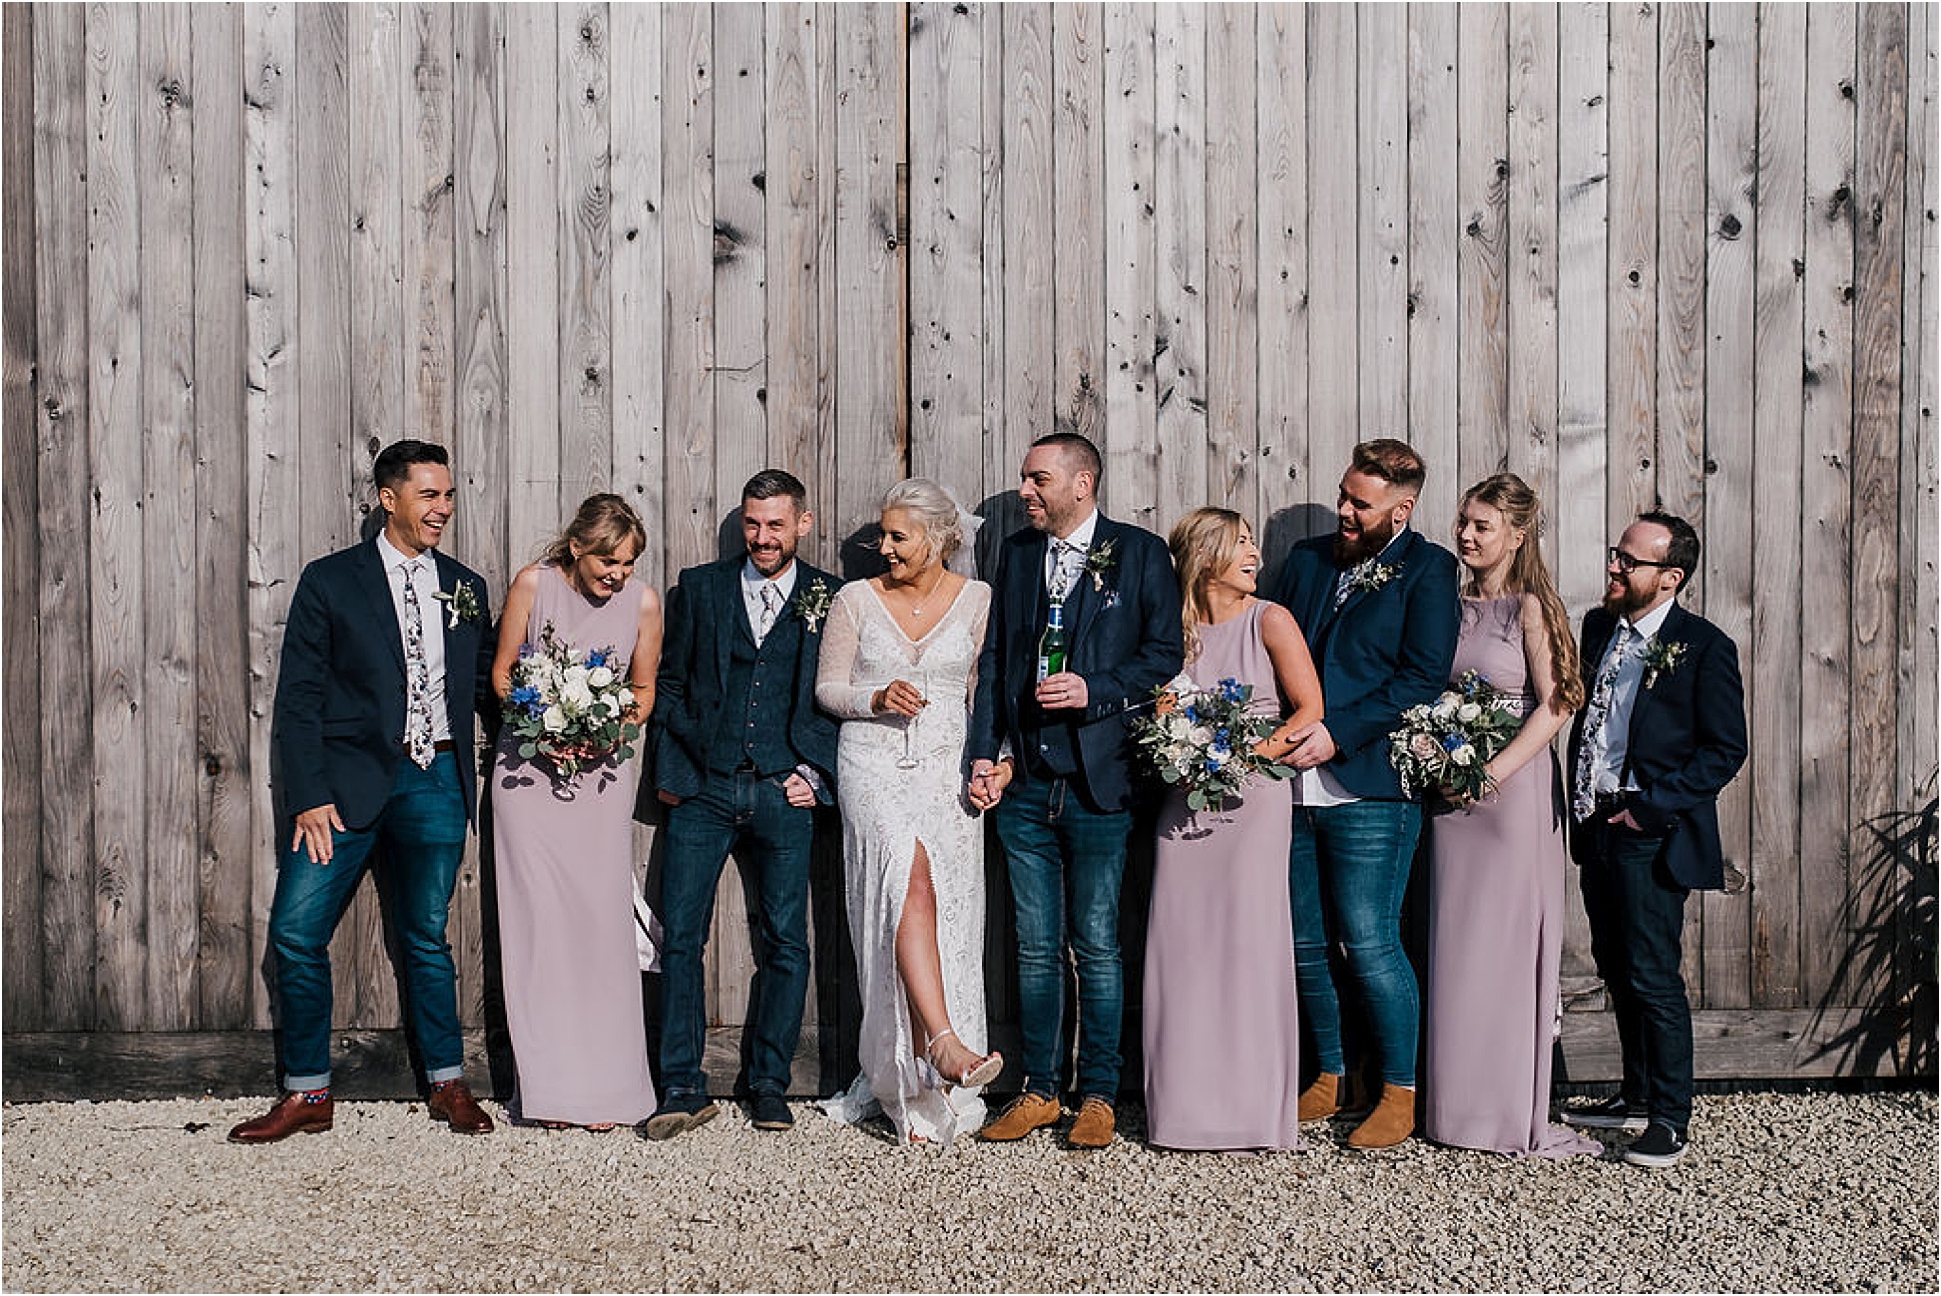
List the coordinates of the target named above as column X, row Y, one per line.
column 1222, row 1028
column 1496, row 895
column 564, row 847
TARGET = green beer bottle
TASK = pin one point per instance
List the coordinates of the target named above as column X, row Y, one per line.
column 1051, row 645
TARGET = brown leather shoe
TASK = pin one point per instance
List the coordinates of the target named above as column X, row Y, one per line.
column 1094, row 1126
column 1392, row 1120
column 455, row 1105
column 1028, row 1112
column 1321, row 1099
column 291, row 1115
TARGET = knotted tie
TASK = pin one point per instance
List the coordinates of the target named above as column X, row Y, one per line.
column 1591, row 754
column 1066, row 558
column 771, row 608
column 417, row 708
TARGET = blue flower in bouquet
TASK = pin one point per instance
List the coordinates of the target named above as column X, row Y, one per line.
column 1231, row 690
column 526, row 698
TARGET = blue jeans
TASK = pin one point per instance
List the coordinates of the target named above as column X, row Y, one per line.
column 749, row 815
column 1637, row 916
column 421, row 831
column 1065, row 864
column 1347, row 870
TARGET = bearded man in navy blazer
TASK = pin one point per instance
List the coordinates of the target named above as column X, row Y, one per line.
column 1053, row 753
column 1663, row 732
column 386, row 656
column 1379, row 605
column 741, row 758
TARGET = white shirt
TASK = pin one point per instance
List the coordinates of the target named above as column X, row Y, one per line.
column 751, row 593
column 1069, row 553
column 1606, row 776
column 431, row 617
column 1319, row 787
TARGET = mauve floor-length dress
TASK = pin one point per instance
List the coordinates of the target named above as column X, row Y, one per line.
column 1222, row 1021
column 564, row 853
column 1496, row 917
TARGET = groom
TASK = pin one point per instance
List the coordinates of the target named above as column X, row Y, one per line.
column 1378, row 604
column 1056, row 738
column 1663, row 732
column 386, row 654
column 741, row 757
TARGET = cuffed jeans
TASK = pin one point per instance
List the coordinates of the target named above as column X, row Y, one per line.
column 1065, row 863
column 749, row 815
column 1637, row 917
column 1347, row 870
column 421, row 833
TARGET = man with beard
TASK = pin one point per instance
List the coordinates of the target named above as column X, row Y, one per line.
column 741, row 757
column 1379, row 606
column 1663, row 732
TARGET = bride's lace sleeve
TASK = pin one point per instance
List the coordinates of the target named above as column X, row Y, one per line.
column 980, row 624
column 836, row 661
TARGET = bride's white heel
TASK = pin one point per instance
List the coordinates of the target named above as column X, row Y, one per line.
column 981, row 1072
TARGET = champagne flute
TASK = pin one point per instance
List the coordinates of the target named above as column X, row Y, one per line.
column 908, row 760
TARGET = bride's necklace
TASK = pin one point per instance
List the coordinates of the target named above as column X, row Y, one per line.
column 923, row 596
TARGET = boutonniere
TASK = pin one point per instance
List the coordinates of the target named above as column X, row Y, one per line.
column 1370, row 574
column 812, row 604
column 1661, row 657
column 1100, row 559
column 461, row 604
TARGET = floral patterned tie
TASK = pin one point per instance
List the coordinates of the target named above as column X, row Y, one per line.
column 771, row 608
column 1591, row 753
column 417, row 708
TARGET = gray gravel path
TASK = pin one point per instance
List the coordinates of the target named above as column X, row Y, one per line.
column 1781, row 1192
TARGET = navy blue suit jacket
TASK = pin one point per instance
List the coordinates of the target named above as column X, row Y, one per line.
column 703, row 610
column 1384, row 651
column 340, row 694
column 1125, row 642
column 1687, row 741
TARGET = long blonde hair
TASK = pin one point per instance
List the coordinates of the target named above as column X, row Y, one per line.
column 1511, row 496
column 1203, row 543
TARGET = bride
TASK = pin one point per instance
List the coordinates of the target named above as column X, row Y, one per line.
column 895, row 667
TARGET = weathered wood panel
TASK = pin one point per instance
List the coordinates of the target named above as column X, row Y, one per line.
column 1178, row 202
column 1631, row 282
column 1133, row 362
column 1531, row 255
column 1280, row 116
column 1334, row 304
column 1483, row 195
column 1382, row 221
column 585, row 300
column 1435, row 229
column 533, row 225
column 1232, row 242
column 1078, row 232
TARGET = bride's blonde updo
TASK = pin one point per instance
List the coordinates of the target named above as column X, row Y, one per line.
column 934, row 511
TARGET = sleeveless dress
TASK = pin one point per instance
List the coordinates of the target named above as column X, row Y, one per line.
column 564, row 855
column 899, row 782
column 1222, row 1020
column 1496, row 918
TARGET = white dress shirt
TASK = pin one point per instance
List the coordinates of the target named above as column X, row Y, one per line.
column 1607, row 775
column 432, row 615
column 751, row 593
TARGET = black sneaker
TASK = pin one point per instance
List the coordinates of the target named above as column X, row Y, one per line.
column 1611, row 1114
column 1658, row 1147
column 677, row 1114
column 769, row 1111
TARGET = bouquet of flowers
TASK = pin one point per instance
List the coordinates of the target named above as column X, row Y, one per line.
column 568, row 706
column 1445, row 743
column 1203, row 740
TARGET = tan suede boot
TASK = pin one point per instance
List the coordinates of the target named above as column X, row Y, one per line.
column 1026, row 1113
column 1392, row 1120
column 1321, row 1099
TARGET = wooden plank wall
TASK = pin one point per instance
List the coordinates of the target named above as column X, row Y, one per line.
column 1678, row 254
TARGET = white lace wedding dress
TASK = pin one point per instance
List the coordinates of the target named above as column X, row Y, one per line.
column 898, row 782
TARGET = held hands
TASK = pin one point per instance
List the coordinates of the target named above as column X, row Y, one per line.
column 799, row 793
column 1313, row 745
column 1063, row 691
column 314, row 827
column 898, row 696
column 988, row 781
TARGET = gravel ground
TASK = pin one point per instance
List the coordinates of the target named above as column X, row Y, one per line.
column 1781, row 1192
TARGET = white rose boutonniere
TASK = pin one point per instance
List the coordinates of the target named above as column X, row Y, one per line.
column 461, row 604
column 1369, row 575
column 1661, row 657
column 812, row 604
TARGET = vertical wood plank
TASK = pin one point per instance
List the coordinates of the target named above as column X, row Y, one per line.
column 1129, row 439
column 335, row 487
column 1434, row 299
column 480, row 288
column 1382, row 217
column 794, row 233
column 165, row 126
column 20, row 956
column 1179, row 284
column 1030, row 155
column 740, row 250
column 1726, row 468
column 116, row 611
column 1681, row 263
column 1532, row 254
column 1826, row 496
column 828, row 91
column 1078, row 229
column 1334, row 408
column 1483, row 182
column 1772, row 659
column 991, row 192
column 947, row 245
column 1631, row 408
column 1232, row 247
column 688, row 253
column 585, row 296
column 1919, row 338
column 1280, row 70
column 428, row 252
column 533, row 268
column 1880, row 192
column 638, row 292
column 270, row 411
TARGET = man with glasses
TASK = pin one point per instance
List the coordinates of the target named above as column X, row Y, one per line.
column 1662, row 734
